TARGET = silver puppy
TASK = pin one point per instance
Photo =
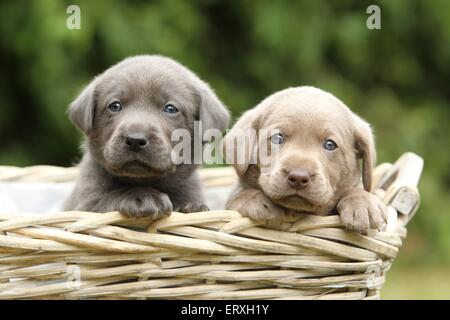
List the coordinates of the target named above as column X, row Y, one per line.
column 128, row 114
column 321, row 144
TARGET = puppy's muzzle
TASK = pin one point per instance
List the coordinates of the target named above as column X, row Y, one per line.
column 136, row 141
column 299, row 178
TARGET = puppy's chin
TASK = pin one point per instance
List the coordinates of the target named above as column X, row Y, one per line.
column 301, row 204
column 138, row 169
column 302, row 201
column 123, row 163
column 135, row 166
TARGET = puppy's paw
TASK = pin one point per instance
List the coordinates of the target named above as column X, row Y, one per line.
column 190, row 207
column 361, row 211
column 256, row 205
column 145, row 202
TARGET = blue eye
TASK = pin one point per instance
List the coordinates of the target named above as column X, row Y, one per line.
column 170, row 108
column 329, row 145
column 115, row 106
column 277, row 138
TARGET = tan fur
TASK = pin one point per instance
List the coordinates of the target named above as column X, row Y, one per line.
column 308, row 116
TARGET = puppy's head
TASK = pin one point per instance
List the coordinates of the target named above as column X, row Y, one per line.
column 129, row 112
column 319, row 142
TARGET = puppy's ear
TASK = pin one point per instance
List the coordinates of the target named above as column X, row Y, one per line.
column 212, row 113
column 240, row 143
column 365, row 148
column 81, row 110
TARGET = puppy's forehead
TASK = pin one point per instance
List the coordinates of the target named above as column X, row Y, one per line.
column 146, row 76
column 143, row 76
column 310, row 107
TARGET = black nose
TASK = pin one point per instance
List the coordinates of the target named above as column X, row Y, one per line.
column 299, row 179
column 136, row 141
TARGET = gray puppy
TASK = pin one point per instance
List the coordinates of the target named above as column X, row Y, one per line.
column 128, row 114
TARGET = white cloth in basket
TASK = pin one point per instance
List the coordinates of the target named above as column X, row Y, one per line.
column 49, row 197
column 34, row 197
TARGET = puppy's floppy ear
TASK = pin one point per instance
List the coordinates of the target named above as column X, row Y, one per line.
column 212, row 113
column 81, row 110
column 240, row 142
column 365, row 148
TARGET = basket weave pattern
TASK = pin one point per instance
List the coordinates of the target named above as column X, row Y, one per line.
column 212, row 255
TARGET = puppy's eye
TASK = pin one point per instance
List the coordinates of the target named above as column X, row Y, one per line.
column 277, row 138
column 329, row 145
column 115, row 106
column 170, row 108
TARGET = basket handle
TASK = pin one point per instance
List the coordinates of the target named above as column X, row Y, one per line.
column 398, row 185
column 405, row 172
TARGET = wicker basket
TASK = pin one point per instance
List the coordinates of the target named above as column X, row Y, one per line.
column 213, row 255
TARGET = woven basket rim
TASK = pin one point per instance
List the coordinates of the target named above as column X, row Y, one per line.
column 213, row 255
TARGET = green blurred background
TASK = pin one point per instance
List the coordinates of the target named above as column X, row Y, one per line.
column 397, row 78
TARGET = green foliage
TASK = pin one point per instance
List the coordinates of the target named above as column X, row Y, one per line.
column 397, row 77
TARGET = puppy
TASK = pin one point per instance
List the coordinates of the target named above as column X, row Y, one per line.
column 128, row 114
column 316, row 169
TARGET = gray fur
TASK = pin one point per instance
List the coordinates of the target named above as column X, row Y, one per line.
column 144, row 183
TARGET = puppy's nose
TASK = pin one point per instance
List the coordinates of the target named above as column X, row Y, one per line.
column 136, row 141
column 299, row 179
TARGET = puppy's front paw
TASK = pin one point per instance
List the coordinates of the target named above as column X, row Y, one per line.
column 145, row 202
column 190, row 207
column 256, row 205
column 361, row 211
